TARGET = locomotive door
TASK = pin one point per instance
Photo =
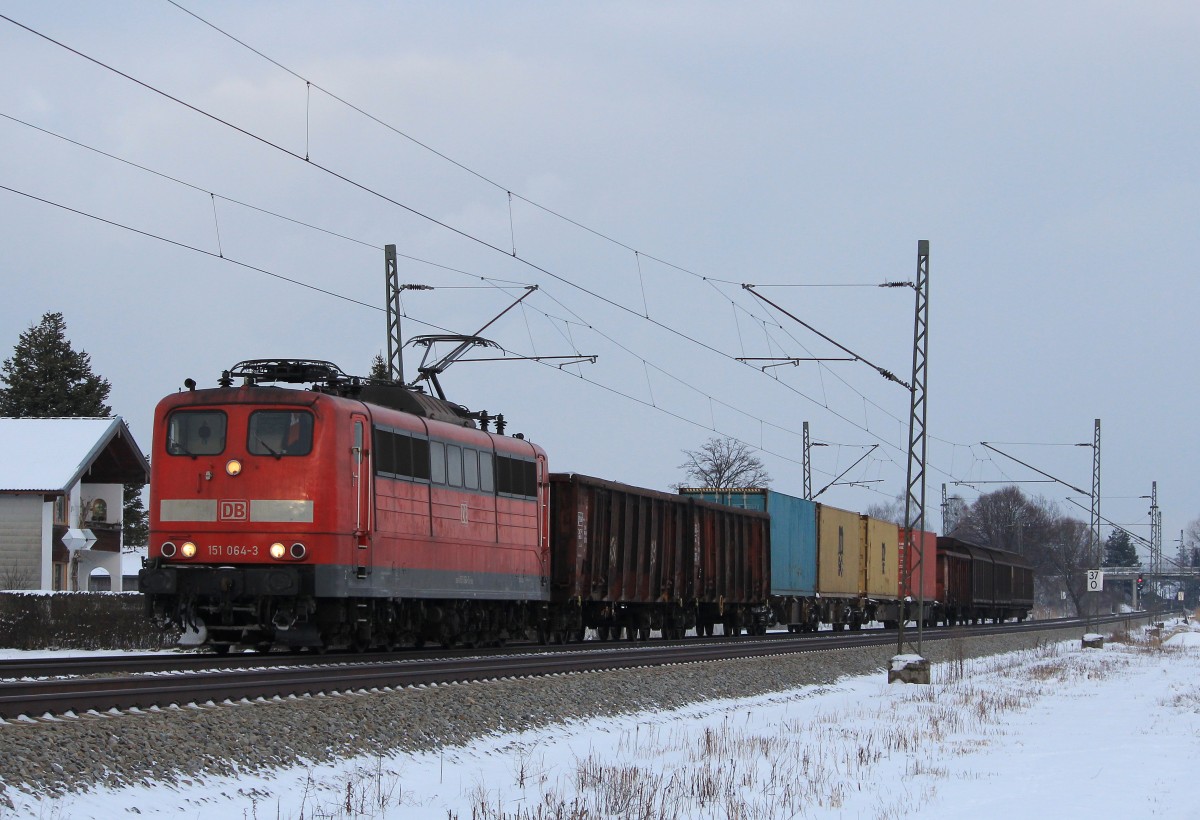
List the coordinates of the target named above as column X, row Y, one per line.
column 361, row 478
column 543, row 517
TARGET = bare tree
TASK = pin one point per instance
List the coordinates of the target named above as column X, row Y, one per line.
column 14, row 577
column 724, row 462
column 1006, row 519
column 1065, row 557
column 1058, row 546
column 889, row 510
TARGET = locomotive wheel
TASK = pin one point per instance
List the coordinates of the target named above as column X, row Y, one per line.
column 644, row 633
column 220, row 648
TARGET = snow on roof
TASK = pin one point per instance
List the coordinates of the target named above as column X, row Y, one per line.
column 49, row 455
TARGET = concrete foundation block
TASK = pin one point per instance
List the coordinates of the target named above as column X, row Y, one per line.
column 908, row 669
column 1093, row 641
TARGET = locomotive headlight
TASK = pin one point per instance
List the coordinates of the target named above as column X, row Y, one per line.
column 233, row 467
column 187, row 549
column 298, row 551
column 278, row 550
column 168, row 550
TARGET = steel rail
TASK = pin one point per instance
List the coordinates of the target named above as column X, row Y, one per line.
column 35, row 698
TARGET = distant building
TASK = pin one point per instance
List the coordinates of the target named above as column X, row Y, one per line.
column 62, row 485
column 131, row 564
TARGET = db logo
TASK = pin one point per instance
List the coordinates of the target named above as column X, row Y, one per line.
column 232, row 510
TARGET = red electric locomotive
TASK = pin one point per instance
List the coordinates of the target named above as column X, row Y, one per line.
column 349, row 514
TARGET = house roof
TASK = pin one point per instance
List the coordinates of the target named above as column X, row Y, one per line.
column 50, row 455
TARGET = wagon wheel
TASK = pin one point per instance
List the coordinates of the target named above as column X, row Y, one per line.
column 644, row 633
column 219, row 648
column 543, row 635
column 631, row 633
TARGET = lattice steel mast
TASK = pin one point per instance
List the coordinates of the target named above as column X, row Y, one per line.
column 807, row 465
column 394, row 342
column 914, row 500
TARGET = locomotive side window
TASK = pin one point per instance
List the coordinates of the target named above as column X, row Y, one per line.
column 404, row 458
column 516, row 477
column 437, row 462
column 454, row 473
column 196, row 433
column 385, row 451
column 280, row 433
column 420, row 458
column 471, row 469
column 400, row 455
column 487, row 477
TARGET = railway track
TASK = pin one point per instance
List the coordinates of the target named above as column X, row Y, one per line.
column 75, row 686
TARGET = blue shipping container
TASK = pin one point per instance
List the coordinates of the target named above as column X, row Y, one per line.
column 793, row 534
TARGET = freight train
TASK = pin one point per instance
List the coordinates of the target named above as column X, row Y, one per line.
column 362, row 514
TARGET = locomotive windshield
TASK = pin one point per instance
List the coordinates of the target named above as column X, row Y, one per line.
column 280, row 433
column 196, row 433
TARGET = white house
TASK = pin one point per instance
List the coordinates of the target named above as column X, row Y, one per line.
column 62, row 486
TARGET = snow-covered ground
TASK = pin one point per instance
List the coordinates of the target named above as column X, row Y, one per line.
column 1056, row 732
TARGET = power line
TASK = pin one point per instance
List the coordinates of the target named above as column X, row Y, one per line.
column 277, row 215
column 457, row 231
column 192, row 248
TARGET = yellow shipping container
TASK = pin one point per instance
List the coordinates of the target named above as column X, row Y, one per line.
column 840, row 553
column 881, row 557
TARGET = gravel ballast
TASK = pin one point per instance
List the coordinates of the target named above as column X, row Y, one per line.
column 75, row 754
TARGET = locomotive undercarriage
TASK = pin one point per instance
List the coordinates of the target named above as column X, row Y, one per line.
column 305, row 622
column 221, row 616
column 636, row 621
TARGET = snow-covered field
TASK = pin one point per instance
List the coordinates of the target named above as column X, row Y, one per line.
column 1056, row 732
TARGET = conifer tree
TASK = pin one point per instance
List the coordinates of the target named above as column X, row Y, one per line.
column 379, row 369
column 1119, row 551
column 46, row 377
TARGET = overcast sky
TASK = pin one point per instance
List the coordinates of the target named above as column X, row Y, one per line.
column 658, row 156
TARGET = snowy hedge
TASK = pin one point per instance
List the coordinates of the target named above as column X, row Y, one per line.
column 78, row 620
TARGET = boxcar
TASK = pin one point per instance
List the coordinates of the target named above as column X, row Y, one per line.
column 627, row 560
column 977, row 583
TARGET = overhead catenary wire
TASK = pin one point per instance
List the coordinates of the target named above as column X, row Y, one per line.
column 510, row 194
column 688, row 337
column 367, row 189
column 493, row 283
column 334, row 294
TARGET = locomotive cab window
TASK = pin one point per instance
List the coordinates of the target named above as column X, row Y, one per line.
column 280, row 433
column 196, row 433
